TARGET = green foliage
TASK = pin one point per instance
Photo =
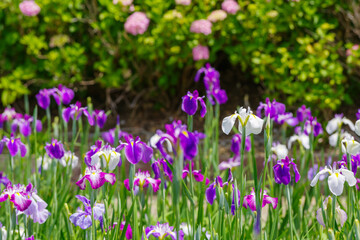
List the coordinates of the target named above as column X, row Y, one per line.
column 289, row 46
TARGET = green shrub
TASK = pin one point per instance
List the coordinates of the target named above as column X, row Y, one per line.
column 291, row 47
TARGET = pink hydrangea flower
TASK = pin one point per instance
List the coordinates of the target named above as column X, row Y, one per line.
column 217, row 15
column 201, row 26
column 200, row 52
column 29, row 8
column 137, row 23
column 183, row 2
column 123, row 2
column 230, row 6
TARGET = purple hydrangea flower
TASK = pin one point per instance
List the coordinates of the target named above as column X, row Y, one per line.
column 143, row 179
column 249, row 201
column 29, row 8
column 270, row 108
column 55, row 149
column 99, row 117
column 282, row 171
column 190, row 103
column 135, row 150
column 303, row 113
column 16, row 194
column 161, row 231
column 75, row 111
column 3, row 179
column 96, row 178
column 14, row 146
column 212, row 84
column 37, row 209
column 82, row 218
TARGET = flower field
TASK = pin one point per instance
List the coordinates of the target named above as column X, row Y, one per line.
column 66, row 178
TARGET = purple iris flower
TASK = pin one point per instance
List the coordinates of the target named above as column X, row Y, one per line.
column 358, row 114
column 313, row 125
column 109, row 136
column 270, row 108
column 24, row 124
column 135, row 150
column 303, row 113
column 196, row 173
column 161, row 231
column 37, row 209
column 75, row 111
column 30, row 238
column 9, row 114
column 142, row 180
column 3, row 179
column 355, row 162
column 249, row 201
column 314, row 170
column 233, row 206
column 210, row 192
column 231, row 163
column 14, row 146
column 128, row 233
column 212, row 84
column 43, row 98
column 236, row 144
column 82, row 218
column 177, row 134
column 65, row 94
column 96, row 178
column 100, row 117
column 286, row 118
column 55, row 149
column 156, row 168
column 190, row 103
column 93, row 149
column 18, row 195
column 282, row 171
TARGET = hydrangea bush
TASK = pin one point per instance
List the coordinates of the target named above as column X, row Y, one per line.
column 292, row 47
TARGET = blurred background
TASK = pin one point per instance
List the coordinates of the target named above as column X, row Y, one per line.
column 141, row 56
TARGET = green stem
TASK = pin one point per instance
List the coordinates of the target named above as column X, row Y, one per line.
column 333, row 212
column 92, row 202
column 290, row 211
column 48, row 117
column 190, row 122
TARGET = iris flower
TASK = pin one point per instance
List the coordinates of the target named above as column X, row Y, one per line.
column 37, row 209
column 143, row 179
column 161, row 231
column 100, row 117
column 280, row 150
column 336, row 123
column 249, row 201
column 247, row 119
column 96, row 178
column 69, row 158
column 300, row 137
column 135, row 150
column 336, row 179
column 110, row 158
column 312, row 125
column 282, row 173
column 82, row 218
column 55, row 149
column 24, row 124
column 75, row 111
column 272, row 109
column 350, row 146
column 190, row 103
column 16, row 194
column 340, row 216
column 14, row 146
